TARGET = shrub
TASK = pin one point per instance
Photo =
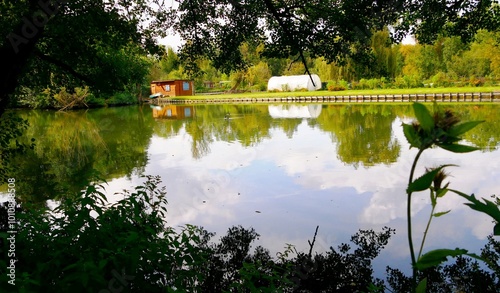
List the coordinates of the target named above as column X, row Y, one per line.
column 362, row 84
column 123, row 98
column 373, row 83
column 344, row 84
column 335, row 86
column 440, row 79
column 474, row 81
column 35, row 99
column 285, row 88
column 68, row 100
column 407, row 81
column 73, row 250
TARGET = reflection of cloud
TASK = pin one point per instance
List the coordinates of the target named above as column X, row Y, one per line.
column 297, row 183
column 198, row 188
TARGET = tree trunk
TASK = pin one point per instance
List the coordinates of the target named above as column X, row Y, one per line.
column 18, row 46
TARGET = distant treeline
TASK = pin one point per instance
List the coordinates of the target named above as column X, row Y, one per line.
column 447, row 62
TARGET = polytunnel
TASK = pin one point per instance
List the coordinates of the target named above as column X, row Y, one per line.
column 294, row 82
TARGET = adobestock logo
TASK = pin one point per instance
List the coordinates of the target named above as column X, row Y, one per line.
column 31, row 28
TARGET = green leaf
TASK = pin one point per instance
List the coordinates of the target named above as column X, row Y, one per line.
column 132, row 237
column 433, row 199
column 102, row 263
column 437, row 215
column 411, row 135
column 496, row 230
column 462, row 128
column 488, row 207
column 458, row 148
column 436, row 257
column 71, row 266
column 425, row 181
column 473, row 255
column 422, row 285
column 441, row 192
column 424, row 117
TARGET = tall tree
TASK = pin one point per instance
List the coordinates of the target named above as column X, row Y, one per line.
column 75, row 37
column 76, row 41
column 331, row 29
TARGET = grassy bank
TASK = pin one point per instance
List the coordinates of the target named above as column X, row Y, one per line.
column 345, row 93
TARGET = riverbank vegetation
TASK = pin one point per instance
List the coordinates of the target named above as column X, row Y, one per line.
column 87, row 244
column 447, row 65
column 98, row 54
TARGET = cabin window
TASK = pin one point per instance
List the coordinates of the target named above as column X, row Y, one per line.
column 187, row 112
column 169, row 112
column 185, row 86
column 167, row 87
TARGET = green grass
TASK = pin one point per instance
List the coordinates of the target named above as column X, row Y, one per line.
column 346, row 93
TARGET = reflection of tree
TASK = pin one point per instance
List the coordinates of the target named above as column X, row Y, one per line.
column 290, row 125
column 243, row 123
column 201, row 139
column 249, row 124
column 363, row 133
column 486, row 135
column 73, row 148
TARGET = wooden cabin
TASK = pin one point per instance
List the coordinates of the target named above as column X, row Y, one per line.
column 174, row 112
column 173, row 88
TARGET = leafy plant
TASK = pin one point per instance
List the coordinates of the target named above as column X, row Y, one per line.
column 12, row 128
column 84, row 244
column 442, row 129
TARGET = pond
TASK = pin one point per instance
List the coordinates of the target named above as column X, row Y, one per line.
column 282, row 169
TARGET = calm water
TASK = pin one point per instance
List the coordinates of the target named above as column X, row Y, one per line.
column 282, row 169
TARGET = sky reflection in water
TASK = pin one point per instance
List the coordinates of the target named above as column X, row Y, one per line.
column 284, row 186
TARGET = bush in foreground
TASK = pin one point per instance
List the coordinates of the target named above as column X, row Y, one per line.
column 89, row 245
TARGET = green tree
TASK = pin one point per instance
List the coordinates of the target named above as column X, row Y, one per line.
column 411, row 55
column 170, row 61
column 452, row 47
column 258, row 75
column 75, row 43
column 330, row 29
column 427, row 61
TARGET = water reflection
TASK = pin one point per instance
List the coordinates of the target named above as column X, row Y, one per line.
column 294, row 111
column 363, row 135
column 73, row 148
column 176, row 112
column 222, row 163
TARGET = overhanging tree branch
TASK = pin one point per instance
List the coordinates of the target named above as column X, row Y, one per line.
column 289, row 36
column 64, row 67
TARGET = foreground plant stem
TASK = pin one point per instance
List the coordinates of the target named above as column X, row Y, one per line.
column 425, row 232
column 408, row 215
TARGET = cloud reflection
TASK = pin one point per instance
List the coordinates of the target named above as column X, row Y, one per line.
column 298, row 182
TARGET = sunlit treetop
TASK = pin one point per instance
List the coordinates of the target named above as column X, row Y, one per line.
column 331, row 29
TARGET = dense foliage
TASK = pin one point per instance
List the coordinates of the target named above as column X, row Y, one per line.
column 89, row 245
column 447, row 62
column 57, row 48
column 66, row 44
column 330, row 29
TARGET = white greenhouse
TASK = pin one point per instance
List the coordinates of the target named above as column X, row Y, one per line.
column 294, row 82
